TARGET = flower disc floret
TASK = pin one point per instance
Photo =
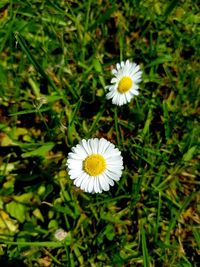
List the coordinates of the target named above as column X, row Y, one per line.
column 125, row 84
column 94, row 165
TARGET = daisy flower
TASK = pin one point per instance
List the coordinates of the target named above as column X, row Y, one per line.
column 94, row 165
column 124, row 86
column 60, row 234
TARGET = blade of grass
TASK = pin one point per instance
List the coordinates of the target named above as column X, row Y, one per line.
column 158, row 216
column 98, row 68
column 84, row 42
column 159, row 60
column 75, row 112
column 166, row 120
column 109, row 200
column 116, row 126
column 28, row 111
column 177, row 215
column 146, row 260
column 147, row 123
column 34, row 62
column 166, row 196
column 102, row 18
column 98, row 117
column 35, row 244
column 52, row 257
column 196, row 234
column 170, row 7
column 8, row 31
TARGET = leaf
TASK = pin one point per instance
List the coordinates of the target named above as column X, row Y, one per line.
column 37, row 213
column 7, row 225
column 110, row 218
column 16, row 210
column 160, row 60
column 189, row 154
column 78, row 254
column 109, row 232
column 24, row 198
column 41, row 151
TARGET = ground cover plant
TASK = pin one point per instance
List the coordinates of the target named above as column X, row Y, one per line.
column 56, row 59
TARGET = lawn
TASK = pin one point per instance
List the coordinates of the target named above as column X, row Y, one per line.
column 56, row 59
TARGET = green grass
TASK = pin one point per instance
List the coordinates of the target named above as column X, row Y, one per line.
column 55, row 60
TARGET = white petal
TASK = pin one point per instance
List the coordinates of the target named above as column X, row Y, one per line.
column 122, row 64
column 134, row 92
column 96, row 185
column 103, row 145
column 108, row 149
column 136, row 69
column 114, row 71
column 109, row 153
column 114, row 80
column 76, row 156
column 111, row 182
column 85, row 182
column 113, row 175
column 85, row 145
column 128, row 97
column 90, row 186
column 137, row 77
column 110, row 95
column 94, row 145
column 107, row 179
column 114, row 163
column 78, row 149
column 114, row 155
column 80, row 179
column 118, row 66
column 127, row 63
column 75, row 174
column 74, row 162
column 114, row 99
column 103, row 182
column 124, row 99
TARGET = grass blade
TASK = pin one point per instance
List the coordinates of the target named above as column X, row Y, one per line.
column 102, row 18
column 146, row 261
column 35, row 244
column 170, row 7
column 176, row 216
column 33, row 61
column 196, row 234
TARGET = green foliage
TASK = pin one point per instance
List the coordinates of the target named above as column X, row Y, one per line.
column 55, row 61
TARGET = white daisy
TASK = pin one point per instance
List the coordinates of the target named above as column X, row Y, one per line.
column 60, row 234
column 124, row 86
column 94, row 165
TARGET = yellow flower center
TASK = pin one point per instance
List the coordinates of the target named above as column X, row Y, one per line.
column 125, row 84
column 94, row 164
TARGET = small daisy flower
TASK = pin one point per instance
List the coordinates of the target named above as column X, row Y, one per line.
column 60, row 234
column 94, row 165
column 124, row 86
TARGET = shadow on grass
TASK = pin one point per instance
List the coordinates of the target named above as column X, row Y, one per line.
column 5, row 262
